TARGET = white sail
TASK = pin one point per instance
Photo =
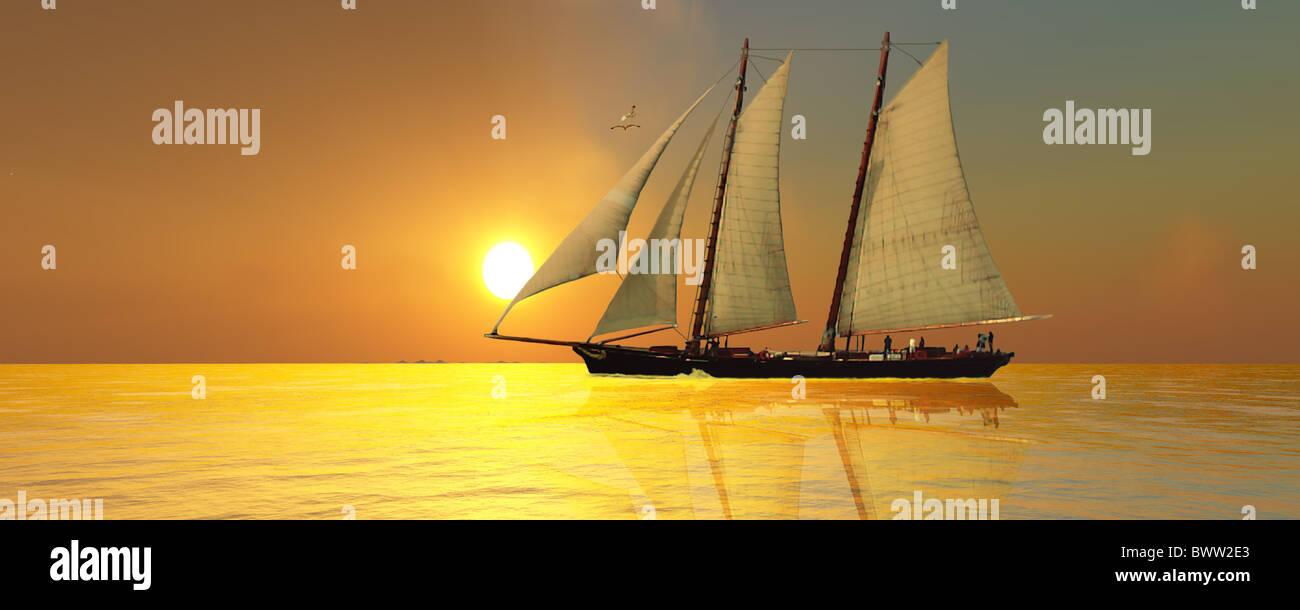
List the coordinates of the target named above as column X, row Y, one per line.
column 644, row 299
column 575, row 258
column 916, row 206
column 751, row 285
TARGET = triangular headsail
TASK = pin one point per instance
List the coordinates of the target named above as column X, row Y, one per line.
column 751, row 289
column 644, row 299
column 575, row 257
column 916, row 206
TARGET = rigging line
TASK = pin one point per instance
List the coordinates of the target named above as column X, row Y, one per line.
column 724, row 74
column 816, row 49
column 892, row 44
column 725, row 104
column 767, row 58
column 725, row 99
column 760, row 74
column 918, row 62
column 720, row 78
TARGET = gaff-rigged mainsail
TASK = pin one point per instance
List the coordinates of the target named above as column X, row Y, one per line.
column 752, row 286
column 645, row 299
column 575, row 257
column 917, row 204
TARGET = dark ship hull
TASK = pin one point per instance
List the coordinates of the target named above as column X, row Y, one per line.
column 620, row 360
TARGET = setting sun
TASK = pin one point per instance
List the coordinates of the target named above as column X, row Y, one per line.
column 506, row 269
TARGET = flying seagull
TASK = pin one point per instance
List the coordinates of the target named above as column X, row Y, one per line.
column 624, row 121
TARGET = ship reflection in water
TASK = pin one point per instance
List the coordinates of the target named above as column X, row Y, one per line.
column 526, row 441
column 864, row 449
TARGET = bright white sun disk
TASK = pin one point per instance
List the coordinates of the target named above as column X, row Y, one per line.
column 506, row 268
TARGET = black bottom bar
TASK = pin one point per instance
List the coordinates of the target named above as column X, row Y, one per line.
column 194, row 560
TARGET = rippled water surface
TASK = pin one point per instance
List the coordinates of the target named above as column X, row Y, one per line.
column 551, row 441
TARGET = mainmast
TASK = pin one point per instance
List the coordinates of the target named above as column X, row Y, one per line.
column 832, row 319
column 710, row 250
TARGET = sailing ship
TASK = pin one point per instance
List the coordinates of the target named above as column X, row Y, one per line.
column 910, row 204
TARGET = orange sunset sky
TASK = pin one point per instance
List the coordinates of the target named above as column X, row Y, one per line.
column 375, row 132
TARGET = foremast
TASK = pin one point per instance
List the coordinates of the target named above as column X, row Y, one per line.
column 832, row 319
column 710, row 250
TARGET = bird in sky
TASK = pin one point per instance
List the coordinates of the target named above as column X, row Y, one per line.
column 624, row 122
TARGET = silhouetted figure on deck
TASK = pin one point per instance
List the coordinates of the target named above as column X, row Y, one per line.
column 990, row 340
column 922, row 343
column 888, row 343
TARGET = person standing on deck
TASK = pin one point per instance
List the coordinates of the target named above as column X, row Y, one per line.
column 990, row 340
column 888, row 342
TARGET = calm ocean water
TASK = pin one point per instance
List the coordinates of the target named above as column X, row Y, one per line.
column 384, row 441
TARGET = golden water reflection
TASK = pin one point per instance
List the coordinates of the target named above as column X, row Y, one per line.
column 528, row 441
column 853, row 447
